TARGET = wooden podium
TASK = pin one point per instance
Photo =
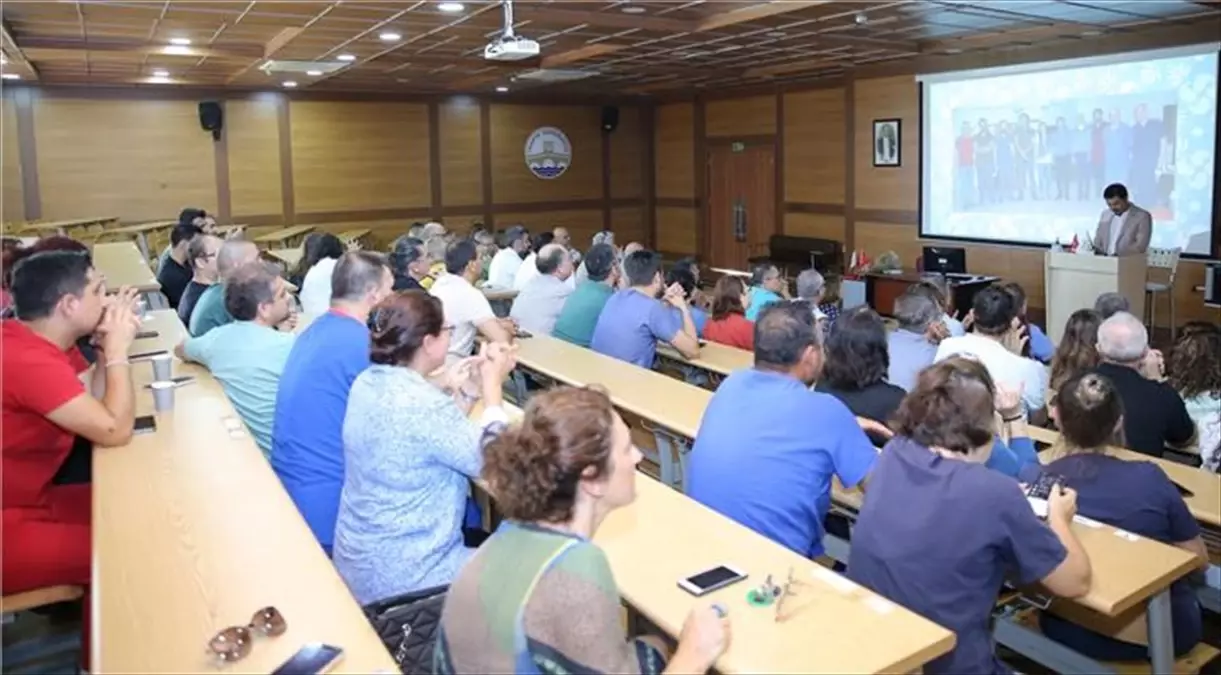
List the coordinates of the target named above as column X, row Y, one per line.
column 1074, row 281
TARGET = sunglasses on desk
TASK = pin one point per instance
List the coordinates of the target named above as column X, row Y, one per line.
column 235, row 642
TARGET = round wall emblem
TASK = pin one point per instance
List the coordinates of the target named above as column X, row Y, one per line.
column 548, row 153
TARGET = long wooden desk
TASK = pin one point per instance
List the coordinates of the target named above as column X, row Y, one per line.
column 123, row 265
column 716, row 361
column 139, row 233
column 284, row 238
column 68, row 226
column 192, row 532
column 287, row 257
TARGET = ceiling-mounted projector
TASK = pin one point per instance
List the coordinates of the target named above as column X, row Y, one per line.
column 510, row 48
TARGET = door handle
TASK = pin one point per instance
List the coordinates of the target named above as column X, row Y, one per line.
column 739, row 220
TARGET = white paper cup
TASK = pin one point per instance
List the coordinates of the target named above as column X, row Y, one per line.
column 163, row 367
column 163, row 396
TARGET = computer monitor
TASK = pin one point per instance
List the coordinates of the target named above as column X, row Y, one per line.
column 945, row 259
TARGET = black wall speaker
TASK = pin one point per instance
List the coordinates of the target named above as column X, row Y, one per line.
column 211, row 118
column 610, row 118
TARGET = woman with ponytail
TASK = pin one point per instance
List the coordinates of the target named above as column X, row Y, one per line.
column 539, row 595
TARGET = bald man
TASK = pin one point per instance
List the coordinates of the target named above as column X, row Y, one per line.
column 538, row 305
column 210, row 309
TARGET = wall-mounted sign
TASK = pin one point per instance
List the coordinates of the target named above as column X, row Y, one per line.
column 548, row 153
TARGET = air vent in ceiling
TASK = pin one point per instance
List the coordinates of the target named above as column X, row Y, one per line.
column 324, row 67
column 554, row 75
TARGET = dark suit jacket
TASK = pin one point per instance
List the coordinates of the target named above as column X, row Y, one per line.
column 1137, row 230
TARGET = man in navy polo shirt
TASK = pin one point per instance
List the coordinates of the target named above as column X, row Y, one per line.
column 307, row 437
column 768, row 446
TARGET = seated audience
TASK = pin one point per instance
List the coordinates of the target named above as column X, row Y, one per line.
column 756, row 459
column 1078, row 350
column 307, row 435
column 811, row 287
column 1110, row 304
column 1195, row 372
column 435, row 248
column 175, row 273
column 318, row 263
column 560, row 236
column 247, row 356
column 49, row 412
column 467, row 310
column 528, row 269
column 1155, row 413
column 410, row 263
column 698, row 298
column 685, row 280
column 210, row 310
column 537, row 307
column 556, row 477
column 514, row 245
column 938, row 283
column 410, row 451
column 604, row 237
column 634, row 320
column 728, row 324
column 930, row 492
column 1134, row 496
column 856, row 365
column 485, row 244
column 580, row 313
column 1039, row 347
column 997, row 341
column 201, row 254
column 187, row 217
column 912, row 345
column 766, row 287
column 309, row 248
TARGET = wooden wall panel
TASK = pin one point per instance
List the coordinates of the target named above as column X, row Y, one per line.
column 253, row 136
column 461, row 156
column 814, row 147
column 816, row 225
column 887, row 187
column 14, row 204
column 676, row 230
column 628, row 224
column 626, row 150
column 141, row 160
column 512, row 181
column 357, row 156
column 581, row 224
column 740, row 116
column 674, row 148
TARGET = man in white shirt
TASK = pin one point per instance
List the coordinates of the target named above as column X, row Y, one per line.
column 514, row 245
column 538, row 306
column 467, row 310
column 998, row 342
column 528, row 269
column 1124, row 228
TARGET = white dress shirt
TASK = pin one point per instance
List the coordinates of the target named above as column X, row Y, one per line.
column 503, row 268
column 315, row 294
column 1005, row 367
column 1117, row 222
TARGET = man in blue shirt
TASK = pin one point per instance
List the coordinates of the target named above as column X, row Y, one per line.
column 633, row 319
column 912, row 345
column 766, row 287
column 768, row 447
column 307, row 438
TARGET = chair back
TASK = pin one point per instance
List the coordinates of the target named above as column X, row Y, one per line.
column 1164, row 259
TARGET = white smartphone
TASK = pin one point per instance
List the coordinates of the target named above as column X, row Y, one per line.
column 710, row 580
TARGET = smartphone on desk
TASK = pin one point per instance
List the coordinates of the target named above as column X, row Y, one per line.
column 144, row 425
column 312, row 659
column 702, row 583
column 146, row 334
column 145, row 355
column 523, row 334
column 177, row 381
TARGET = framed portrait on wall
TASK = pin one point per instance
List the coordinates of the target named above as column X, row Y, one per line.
column 886, row 146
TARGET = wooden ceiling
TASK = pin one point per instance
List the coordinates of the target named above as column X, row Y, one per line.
column 633, row 46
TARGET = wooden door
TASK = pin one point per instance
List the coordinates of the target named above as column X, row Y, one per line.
column 741, row 204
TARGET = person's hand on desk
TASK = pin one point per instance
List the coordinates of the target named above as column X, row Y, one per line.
column 705, row 636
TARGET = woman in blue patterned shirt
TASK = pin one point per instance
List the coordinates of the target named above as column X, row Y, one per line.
column 410, row 451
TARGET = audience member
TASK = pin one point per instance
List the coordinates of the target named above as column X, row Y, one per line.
column 49, row 413
column 528, row 269
column 433, row 229
column 201, row 254
column 435, row 249
column 416, row 231
column 766, row 287
column 634, row 320
column 556, row 477
column 247, row 356
column 319, row 264
column 755, row 459
column 945, row 299
column 997, row 341
column 467, row 310
column 560, row 236
column 485, row 245
column 930, row 492
column 811, row 287
column 1078, row 350
column 191, row 217
column 698, row 299
column 1194, row 372
column 307, row 435
column 604, row 237
column 514, row 245
column 1133, row 496
column 1155, row 414
column 856, row 365
column 410, row 450
column 728, row 324
column 175, row 273
column 410, row 263
column 912, row 345
column 1040, row 347
column 580, row 313
column 1110, row 304
column 210, row 311
column 537, row 307
column 683, row 278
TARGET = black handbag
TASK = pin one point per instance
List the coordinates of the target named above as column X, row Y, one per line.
column 408, row 625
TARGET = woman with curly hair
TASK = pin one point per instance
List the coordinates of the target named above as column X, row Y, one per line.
column 1194, row 371
column 1078, row 350
column 539, row 596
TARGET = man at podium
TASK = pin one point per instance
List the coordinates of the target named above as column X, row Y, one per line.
column 1124, row 228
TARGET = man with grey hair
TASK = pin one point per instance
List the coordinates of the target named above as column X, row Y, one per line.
column 603, row 237
column 210, row 309
column 910, row 347
column 433, row 229
column 1154, row 413
column 811, row 287
column 538, row 305
column 945, row 299
column 1111, row 303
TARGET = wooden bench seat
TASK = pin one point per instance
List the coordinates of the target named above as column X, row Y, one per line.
column 40, row 597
